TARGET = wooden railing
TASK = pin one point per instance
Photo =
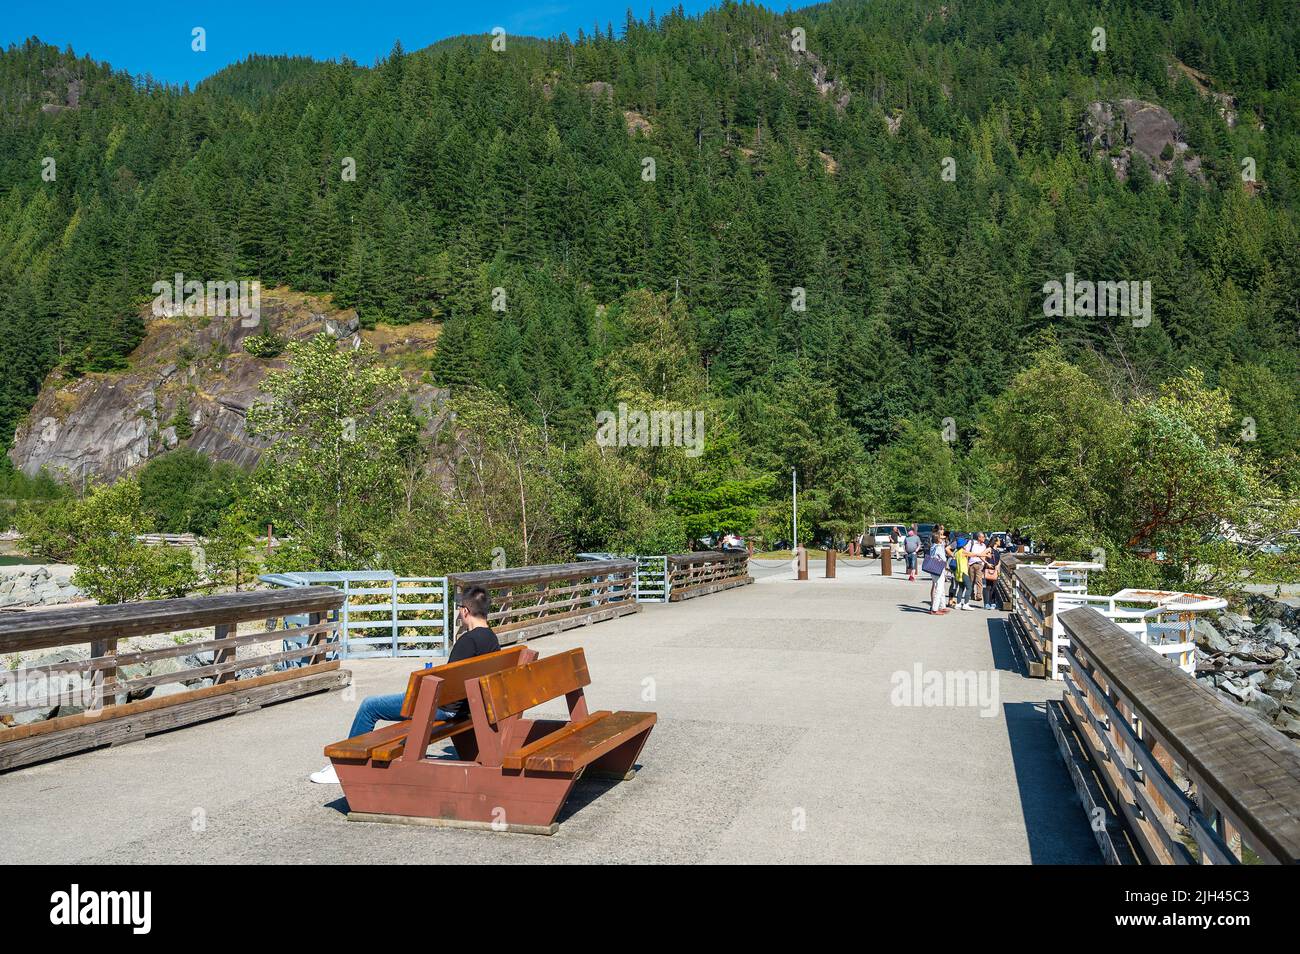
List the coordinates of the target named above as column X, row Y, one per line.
column 96, row 691
column 1196, row 778
column 697, row 574
column 530, row 601
column 1032, row 607
column 1037, row 595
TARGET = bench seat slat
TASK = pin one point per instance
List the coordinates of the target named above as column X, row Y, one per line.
column 571, row 751
column 517, row 758
column 387, row 743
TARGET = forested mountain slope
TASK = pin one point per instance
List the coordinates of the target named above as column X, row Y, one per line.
column 918, row 169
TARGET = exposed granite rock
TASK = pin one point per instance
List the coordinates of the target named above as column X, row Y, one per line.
column 1131, row 127
column 102, row 425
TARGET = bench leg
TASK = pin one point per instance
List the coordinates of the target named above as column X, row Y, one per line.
column 618, row 763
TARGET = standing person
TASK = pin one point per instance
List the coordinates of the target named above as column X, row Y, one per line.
column 977, row 550
column 476, row 639
column 938, row 583
column 991, row 566
column 962, row 556
column 911, row 547
column 951, row 548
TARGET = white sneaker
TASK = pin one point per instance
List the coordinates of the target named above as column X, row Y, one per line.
column 961, row 606
column 326, row 776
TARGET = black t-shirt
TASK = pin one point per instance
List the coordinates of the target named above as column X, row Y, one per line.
column 479, row 641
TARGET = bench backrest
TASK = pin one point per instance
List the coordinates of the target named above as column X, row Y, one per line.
column 455, row 675
column 512, row 691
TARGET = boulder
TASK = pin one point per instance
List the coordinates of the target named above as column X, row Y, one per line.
column 74, row 654
column 341, row 326
column 1263, row 703
column 28, row 716
column 170, row 689
column 1270, row 631
column 1209, row 638
column 195, row 660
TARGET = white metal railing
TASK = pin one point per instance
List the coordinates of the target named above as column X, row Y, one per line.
column 1162, row 620
column 652, row 579
column 1071, row 576
column 383, row 614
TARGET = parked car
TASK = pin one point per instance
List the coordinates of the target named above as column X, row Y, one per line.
column 880, row 532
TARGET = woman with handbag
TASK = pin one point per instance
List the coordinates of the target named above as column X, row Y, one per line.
column 936, row 564
column 993, row 562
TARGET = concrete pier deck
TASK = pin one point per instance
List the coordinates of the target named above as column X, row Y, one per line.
column 779, row 740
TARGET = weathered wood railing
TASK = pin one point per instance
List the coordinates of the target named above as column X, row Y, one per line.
column 1196, row 778
column 530, row 601
column 1007, row 573
column 86, row 702
column 697, row 574
column 1032, row 607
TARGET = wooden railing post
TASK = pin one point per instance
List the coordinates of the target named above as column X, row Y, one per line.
column 105, row 680
column 222, row 656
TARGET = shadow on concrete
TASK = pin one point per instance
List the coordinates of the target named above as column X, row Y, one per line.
column 587, row 790
column 1004, row 657
column 914, row 608
column 1055, row 822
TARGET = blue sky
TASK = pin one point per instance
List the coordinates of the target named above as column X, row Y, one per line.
column 155, row 37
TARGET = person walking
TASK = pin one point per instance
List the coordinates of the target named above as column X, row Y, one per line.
column 911, row 547
column 938, row 557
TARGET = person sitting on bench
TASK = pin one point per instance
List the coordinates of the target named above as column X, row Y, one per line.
column 476, row 639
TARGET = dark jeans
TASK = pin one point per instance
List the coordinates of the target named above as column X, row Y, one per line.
column 384, row 709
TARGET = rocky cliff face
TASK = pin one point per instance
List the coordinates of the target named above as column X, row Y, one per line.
column 190, row 382
column 1130, row 130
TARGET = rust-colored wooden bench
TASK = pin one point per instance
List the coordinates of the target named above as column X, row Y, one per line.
column 443, row 686
column 510, row 773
